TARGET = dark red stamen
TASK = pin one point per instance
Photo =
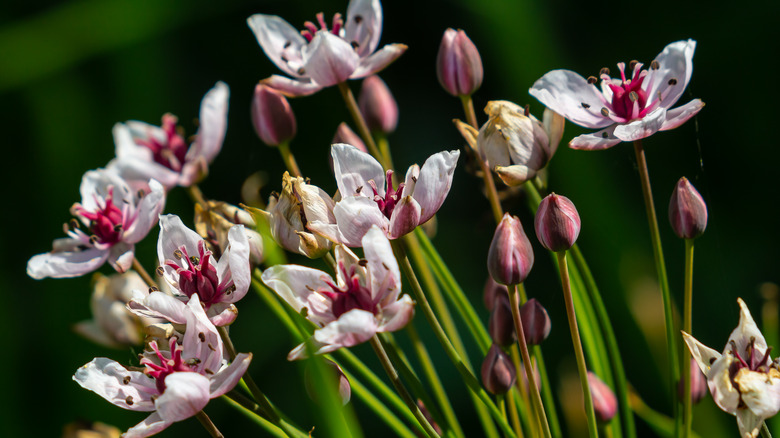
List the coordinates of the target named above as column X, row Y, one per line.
column 352, row 295
column 169, row 152
column 312, row 29
column 167, row 366
column 391, row 198
column 105, row 223
column 199, row 276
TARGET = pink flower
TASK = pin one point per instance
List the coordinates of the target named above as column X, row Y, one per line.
column 363, row 299
column 320, row 57
column 630, row 108
column 368, row 197
column 192, row 269
column 115, row 219
column 144, row 151
column 175, row 383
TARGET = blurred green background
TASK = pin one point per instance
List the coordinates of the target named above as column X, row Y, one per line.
column 70, row 70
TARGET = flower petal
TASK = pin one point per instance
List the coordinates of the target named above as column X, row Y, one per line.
column 227, row 378
column 760, row 391
column 385, row 280
column 725, row 395
column 158, row 305
column 351, row 328
column 297, row 285
column 396, row 315
column 681, row 114
column 151, row 425
column 222, row 314
column 173, row 235
column 675, row 62
column 595, row 141
column 213, row 124
column 565, row 92
column 405, row 217
column 137, row 170
column 280, row 41
column 73, row 262
column 236, row 264
column 411, row 179
column 644, row 127
column 107, row 378
column 702, row 354
column 354, row 169
column 201, row 340
column 434, row 182
column 328, row 59
column 292, row 87
column 746, row 332
column 355, row 216
column 553, row 125
column 147, row 213
column 185, row 394
column 363, row 25
column 376, row 62
column 514, row 175
column 749, row 423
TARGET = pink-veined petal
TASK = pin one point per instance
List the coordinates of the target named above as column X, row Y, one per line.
column 674, row 62
column 355, row 216
column 351, row 328
column 328, row 59
column 236, row 264
column 405, row 217
column 565, row 92
column 152, row 425
column 106, row 378
column 280, row 41
column 354, row 169
column 292, row 87
column 297, row 286
column 677, row 116
column 147, row 213
column 644, row 127
column 396, row 315
column 185, row 394
column 382, row 266
column 595, row 141
column 434, row 182
column 377, row 61
column 213, row 124
column 66, row 264
column 173, row 235
column 158, row 305
column 222, row 314
column 227, row 378
column 363, row 25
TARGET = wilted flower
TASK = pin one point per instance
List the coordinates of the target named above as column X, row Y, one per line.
column 458, row 64
column 626, row 109
column 363, row 300
column 322, row 57
column 687, row 211
column 515, row 144
column 498, row 371
column 743, row 380
column 272, row 116
column 189, row 267
column 368, row 197
column 536, row 322
column 213, row 223
column 175, row 383
column 145, row 151
column 510, row 257
column 378, row 105
column 604, row 401
column 557, row 223
column 115, row 217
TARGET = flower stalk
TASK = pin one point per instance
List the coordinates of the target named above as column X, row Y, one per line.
column 208, row 425
column 687, row 326
column 289, row 159
column 357, row 116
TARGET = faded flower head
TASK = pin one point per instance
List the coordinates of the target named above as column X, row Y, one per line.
column 687, row 211
column 458, row 64
column 214, row 223
column 510, row 257
column 632, row 107
column 363, row 299
column 321, row 56
column 114, row 218
column 743, row 380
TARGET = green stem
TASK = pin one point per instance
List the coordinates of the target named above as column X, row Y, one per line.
column 399, row 386
column 765, row 431
column 384, row 149
column 252, row 410
column 466, row 374
column 382, row 411
column 208, row 425
column 671, row 333
column 688, row 327
column 578, row 351
column 289, row 159
column 513, row 414
column 524, row 403
column 354, row 111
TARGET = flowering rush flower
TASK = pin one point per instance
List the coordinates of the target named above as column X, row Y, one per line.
column 318, row 57
column 176, row 383
column 630, row 108
column 115, row 218
column 743, row 380
column 363, row 299
column 144, row 151
column 191, row 269
column 368, row 197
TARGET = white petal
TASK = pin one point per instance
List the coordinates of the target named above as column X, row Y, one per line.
column 514, row 175
column 227, row 378
column 675, row 62
column 201, row 340
column 677, row 116
column 66, row 264
column 405, row 217
column 434, row 182
column 644, row 127
column 376, row 62
column 273, row 34
column 725, row 395
column 173, row 235
column 159, row 305
column 703, row 355
column 382, row 266
column 151, row 425
column 598, row 140
column 138, row 171
column 354, row 169
column 363, row 25
column 236, row 263
column 292, row 87
column 147, row 213
column 213, row 124
column 328, row 59
column 564, row 92
column 107, row 378
column 553, row 124
column 125, row 145
column 396, row 315
column 222, row 314
column 352, row 328
column 746, row 331
column 760, row 391
column 749, row 423
column 412, row 175
column 355, row 216
column 297, row 285
column 185, row 394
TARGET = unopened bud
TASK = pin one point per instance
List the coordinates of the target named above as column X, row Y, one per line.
column 604, row 401
column 345, row 390
column 687, row 211
column 510, row 257
column 536, row 322
column 498, row 372
column 699, row 388
column 491, row 290
column 557, row 223
column 378, row 105
column 272, row 116
column 501, row 326
column 345, row 134
column 458, row 64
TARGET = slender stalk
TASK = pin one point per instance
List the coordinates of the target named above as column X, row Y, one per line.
column 382, row 411
column 399, row 386
column 468, row 109
column 354, row 111
column 513, row 414
column 765, row 431
column 143, row 273
column 532, row 423
column 384, row 149
column 688, row 327
column 197, row 195
column 208, row 425
column 578, row 352
column 258, row 419
column 252, row 410
column 289, row 159
column 331, row 262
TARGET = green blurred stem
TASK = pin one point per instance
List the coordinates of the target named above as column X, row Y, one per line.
column 252, row 411
column 423, row 304
column 524, row 403
column 289, row 159
column 513, row 414
column 688, row 327
column 765, row 431
column 354, row 111
column 578, row 352
column 468, row 110
column 660, row 265
column 384, row 149
column 208, row 425
column 399, row 386
column 379, row 408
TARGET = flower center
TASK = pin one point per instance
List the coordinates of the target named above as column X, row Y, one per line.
column 171, row 151
column 105, row 223
column 387, row 204
column 199, row 276
column 352, row 295
column 167, row 365
column 311, row 28
column 753, row 360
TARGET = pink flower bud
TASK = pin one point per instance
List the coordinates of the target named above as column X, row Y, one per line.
column 272, row 116
column 345, row 390
column 604, row 401
column 378, row 105
column 498, row 372
column 491, row 290
column 536, row 322
column 510, row 257
column 557, row 223
column 458, row 64
column 345, row 134
column 687, row 211
column 501, row 326
column 699, row 388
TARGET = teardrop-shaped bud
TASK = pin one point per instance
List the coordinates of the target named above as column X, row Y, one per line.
column 557, row 223
column 491, row 290
column 687, row 211
column 511, row 256
column 345, row 134
column 501, row 326
column 378, row 105
column 536, row 322
column 345, row 390
column 458, row 64
column 272, row 116
column 699, row 388
column 604, row 401
column 498, row 372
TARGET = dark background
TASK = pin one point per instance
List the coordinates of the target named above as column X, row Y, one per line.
column 70, row 70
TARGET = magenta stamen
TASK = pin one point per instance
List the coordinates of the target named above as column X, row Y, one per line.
column 311, row 27
column 321, row 20
column 337, row 23
column 306, row 34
